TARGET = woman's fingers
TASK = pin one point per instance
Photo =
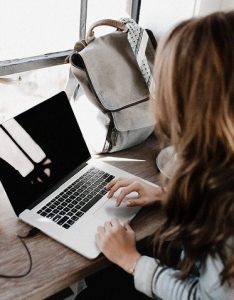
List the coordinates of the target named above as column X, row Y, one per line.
column 107, row 225
column 115, row 185
column 136, row 202
column 115, row 222
column 128, row 186
column 147, row 194
column 113, row 182
column 125, row 191
column 127, row 227
column 100, row 230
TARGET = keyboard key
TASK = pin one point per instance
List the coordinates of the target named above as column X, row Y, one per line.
column 102, row 178
column 63, row 220
column 62, row 213
column 70, row 222
column 79, row 214
column 66, row 226
column 50, row 216
column 93, row 194
column 67, row 201
column 85, row 200
column 91, row 203
column 56, row 218
column 77, row 206
column 103, row 192
column 109, row 178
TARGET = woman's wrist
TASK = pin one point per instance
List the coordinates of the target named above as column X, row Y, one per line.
column 129, row 263
column 133, row 267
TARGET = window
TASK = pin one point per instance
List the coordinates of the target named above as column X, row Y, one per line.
column 37, row 27
column 21, row 91
column 103, row 9
column 35, row 39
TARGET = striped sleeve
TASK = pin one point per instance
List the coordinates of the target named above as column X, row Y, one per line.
column 160, row 282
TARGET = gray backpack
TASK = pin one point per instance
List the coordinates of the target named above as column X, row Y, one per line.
column 114, row 74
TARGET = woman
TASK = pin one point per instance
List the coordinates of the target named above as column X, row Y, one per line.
column 194, row 107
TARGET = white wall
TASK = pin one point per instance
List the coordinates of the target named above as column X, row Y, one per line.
column 204, row 7
column 227, row 5
column 161, row 15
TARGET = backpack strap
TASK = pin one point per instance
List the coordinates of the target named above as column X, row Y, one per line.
column 138, row 39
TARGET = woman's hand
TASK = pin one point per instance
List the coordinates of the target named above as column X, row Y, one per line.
column 117, row 243
column 147, row 194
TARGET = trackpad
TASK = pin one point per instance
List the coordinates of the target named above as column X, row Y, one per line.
column 109, row 211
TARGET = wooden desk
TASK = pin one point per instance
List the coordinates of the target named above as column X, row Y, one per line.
column 55, row 266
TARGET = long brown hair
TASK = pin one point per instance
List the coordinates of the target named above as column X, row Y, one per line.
column 194, row 105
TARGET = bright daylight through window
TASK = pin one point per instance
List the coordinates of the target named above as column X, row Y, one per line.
column 36, row 28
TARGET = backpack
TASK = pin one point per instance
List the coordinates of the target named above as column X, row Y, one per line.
column 114, row 74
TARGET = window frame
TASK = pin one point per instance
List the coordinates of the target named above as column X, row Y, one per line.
column 14, row 66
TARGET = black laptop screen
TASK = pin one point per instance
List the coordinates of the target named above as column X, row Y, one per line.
column 38, row 150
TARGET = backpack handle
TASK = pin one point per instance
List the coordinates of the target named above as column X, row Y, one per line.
column 106, row 22
column 121, row 26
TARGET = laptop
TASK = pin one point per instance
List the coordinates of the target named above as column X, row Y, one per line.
column 51, row 180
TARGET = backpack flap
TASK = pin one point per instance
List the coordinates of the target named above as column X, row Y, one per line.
column 134, row 117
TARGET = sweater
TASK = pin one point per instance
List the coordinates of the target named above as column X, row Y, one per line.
column 161, row 282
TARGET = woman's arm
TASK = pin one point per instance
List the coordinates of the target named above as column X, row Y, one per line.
column 154, row 280
column 117, row 242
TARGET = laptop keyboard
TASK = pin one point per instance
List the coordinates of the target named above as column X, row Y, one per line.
column 67, row 207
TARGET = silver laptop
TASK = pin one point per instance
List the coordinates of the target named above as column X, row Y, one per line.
column 51, row 180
